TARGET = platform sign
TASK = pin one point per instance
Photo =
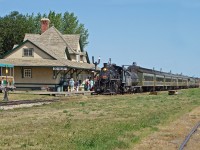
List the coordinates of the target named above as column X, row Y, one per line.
column 59, row 68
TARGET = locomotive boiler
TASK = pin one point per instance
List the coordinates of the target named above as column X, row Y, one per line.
column 115, row 79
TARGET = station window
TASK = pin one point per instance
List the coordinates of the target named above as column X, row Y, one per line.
column 28, row 52
column 27, row 73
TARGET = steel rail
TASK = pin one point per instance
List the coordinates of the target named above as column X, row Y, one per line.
column 18, row 102
column 189, row 136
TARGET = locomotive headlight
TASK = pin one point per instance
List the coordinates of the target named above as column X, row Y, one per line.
column 104, row 69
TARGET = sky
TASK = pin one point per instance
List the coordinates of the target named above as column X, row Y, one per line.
column 153, row 33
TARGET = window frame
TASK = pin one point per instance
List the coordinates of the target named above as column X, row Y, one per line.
column 27, row 73
column 28, row 52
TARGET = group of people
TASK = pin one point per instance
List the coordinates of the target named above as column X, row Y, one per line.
column 87, row 84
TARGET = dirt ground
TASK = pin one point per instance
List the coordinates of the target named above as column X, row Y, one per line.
column 171, row 137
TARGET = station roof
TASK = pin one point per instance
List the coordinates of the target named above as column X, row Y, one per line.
column 47, row 63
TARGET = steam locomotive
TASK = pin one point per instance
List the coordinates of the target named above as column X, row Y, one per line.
column 115, row 79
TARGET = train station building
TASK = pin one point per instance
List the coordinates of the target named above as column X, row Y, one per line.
column 48, row 60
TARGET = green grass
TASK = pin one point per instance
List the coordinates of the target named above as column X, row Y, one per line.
column 93, row 122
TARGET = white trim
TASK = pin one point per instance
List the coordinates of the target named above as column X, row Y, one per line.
column 27, row 73
column 28, row 53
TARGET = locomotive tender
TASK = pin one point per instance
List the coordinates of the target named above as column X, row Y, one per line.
column 115, row 79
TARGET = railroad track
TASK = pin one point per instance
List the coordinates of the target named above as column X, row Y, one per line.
column 194, row 129
column 19, row 102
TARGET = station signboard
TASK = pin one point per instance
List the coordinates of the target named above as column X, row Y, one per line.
column 59, row 68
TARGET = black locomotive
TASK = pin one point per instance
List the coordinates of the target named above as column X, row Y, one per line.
column 115, row 79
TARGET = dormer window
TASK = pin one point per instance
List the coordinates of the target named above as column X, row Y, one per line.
column 28, row 52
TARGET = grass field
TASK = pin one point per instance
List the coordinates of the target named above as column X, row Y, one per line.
column 93, row 122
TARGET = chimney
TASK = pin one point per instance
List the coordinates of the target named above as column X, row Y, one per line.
column 44, row 24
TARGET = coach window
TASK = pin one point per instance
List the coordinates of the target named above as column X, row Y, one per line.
column 27, row 73
column 28, row 52
column 148, row 78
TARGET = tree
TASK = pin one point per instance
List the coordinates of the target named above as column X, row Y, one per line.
column 56, row 19
column 14, row 26
column 12, row 30
column 71, row 26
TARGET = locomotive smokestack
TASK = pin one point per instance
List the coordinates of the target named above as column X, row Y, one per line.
column 105, row 65
column 134, row 64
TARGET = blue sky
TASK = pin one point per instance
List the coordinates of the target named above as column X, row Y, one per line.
column 154, row 33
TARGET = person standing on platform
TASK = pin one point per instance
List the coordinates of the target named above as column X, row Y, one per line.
column 71, row 84
column 91, row 84
column 77, row 85
column 86, row 84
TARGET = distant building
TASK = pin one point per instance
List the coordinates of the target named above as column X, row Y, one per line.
column 48, row 59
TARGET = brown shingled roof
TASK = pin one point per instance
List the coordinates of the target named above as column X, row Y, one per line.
column 31, row 37
column 47, row 63
column 55, row 44
column 72, row 40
